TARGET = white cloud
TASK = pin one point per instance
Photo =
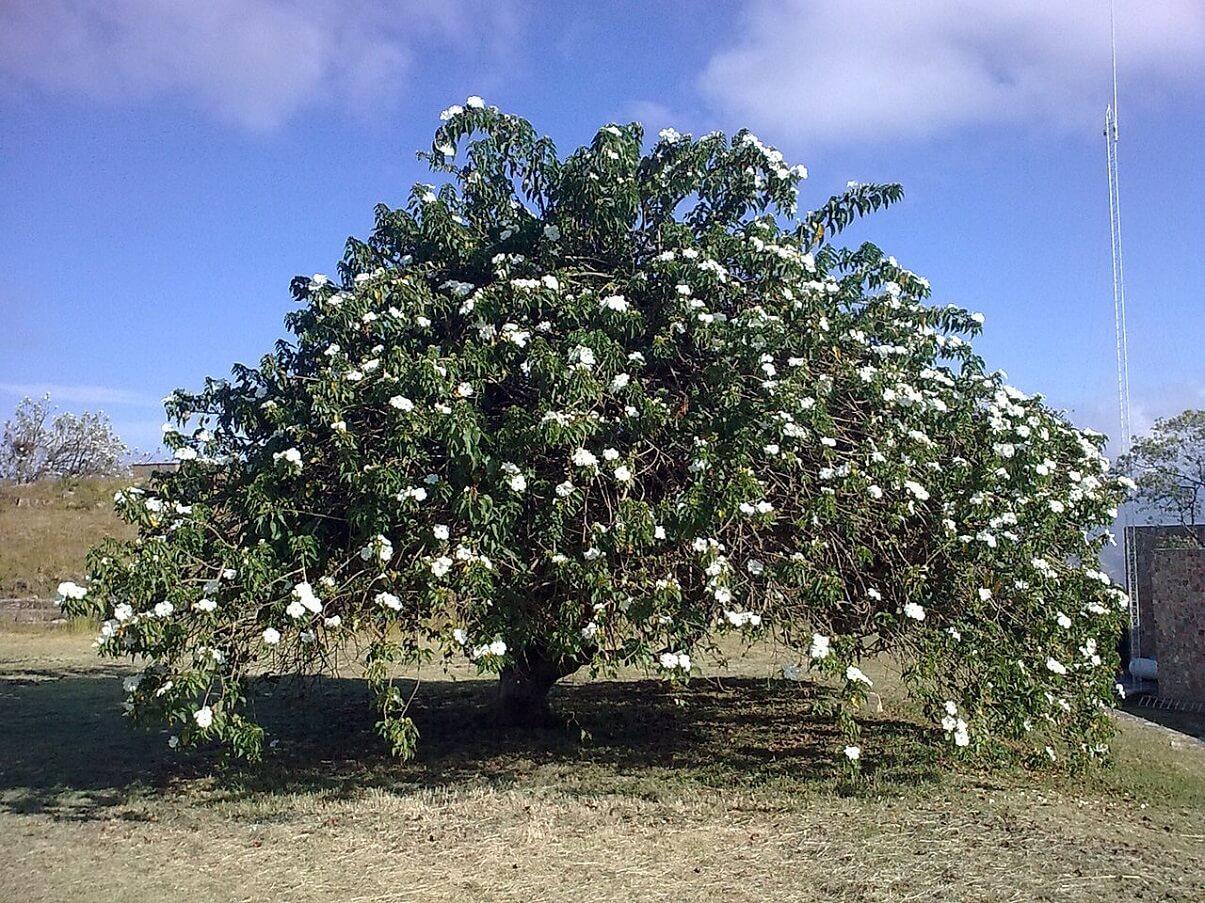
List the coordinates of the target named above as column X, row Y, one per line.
column 256, row 63
column 81, row 395
column 834, row 71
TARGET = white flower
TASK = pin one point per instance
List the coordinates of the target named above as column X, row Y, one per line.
column 1055, row 666
column 564, row 489
column 592, row 554
column 465, row 390
column 123, row 611
column 584, row 458
column 853, row 753
column 517, row 482
column 203, row 717
column 303, row 594
column 820, row 646
column 69, row 590
column 985, row 594
column 441, row 532
column 582, row 357
column 1064, row 621
column 623, row 474
column 290, row 456
column 914, row 611
column 454, row 110
column 854, row 674
column 475, row 103
column 378, row 547
column 295, row 609
column 163, row 609
column 402, row 403
column 917, row 490
column 552, row 233
column 620, row 381
column 614, row 302
column 659, row 532
column 271, row 636
column 185, row 454
column 441, row 565
column 389, row 600
column 743, row 618
column 675, row 661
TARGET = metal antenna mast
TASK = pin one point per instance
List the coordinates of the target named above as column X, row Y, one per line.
column 1123, row 349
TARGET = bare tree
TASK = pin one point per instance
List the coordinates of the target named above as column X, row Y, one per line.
column 36, row 444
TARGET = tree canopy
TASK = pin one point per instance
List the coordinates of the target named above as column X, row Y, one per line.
column 37, row 446
column 597, row 411
column 1168, row 465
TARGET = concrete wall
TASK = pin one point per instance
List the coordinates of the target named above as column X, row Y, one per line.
column 1178, row 591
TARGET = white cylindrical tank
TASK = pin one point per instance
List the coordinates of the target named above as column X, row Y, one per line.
column 1144, row 668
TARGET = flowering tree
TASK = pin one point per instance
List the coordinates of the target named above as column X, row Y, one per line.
column 597, row 411
column 36, row 446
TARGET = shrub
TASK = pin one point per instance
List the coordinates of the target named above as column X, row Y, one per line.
column 596, row 411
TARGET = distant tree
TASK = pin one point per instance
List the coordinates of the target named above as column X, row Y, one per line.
column 36, row 445
column 1168, row 465
column 594, row 411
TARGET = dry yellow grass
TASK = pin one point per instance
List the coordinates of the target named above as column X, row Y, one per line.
column 719, row 792
column 46, row 530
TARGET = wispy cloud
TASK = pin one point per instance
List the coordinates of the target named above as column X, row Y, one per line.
column 81, row 395
column 256, row 63
column 835, row 71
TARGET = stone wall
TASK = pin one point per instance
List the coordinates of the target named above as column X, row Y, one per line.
column 1148, row 540
column 1178, row 591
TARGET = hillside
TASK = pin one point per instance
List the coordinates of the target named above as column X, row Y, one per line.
column 46, row 530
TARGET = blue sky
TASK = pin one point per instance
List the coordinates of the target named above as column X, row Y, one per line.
column 167, row 167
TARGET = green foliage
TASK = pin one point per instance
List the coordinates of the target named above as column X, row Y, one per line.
column 595, row 410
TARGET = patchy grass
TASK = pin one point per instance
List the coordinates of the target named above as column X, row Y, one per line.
column 720, row 791
column 46, row 529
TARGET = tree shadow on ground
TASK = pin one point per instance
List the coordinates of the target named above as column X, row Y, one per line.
column 66, row 750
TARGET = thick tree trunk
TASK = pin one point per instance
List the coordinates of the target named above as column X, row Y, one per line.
column 523, row 688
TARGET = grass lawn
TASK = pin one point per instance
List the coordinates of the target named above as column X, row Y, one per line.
column 720, row 792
